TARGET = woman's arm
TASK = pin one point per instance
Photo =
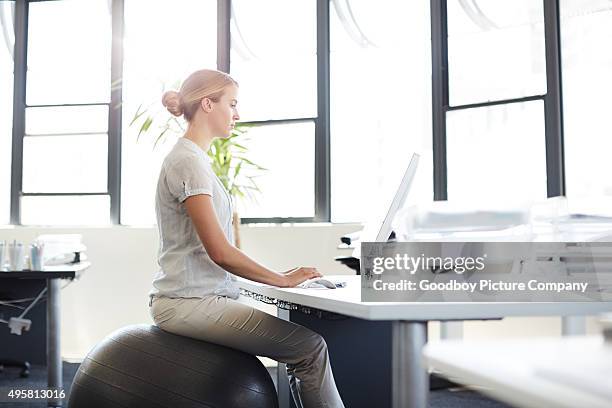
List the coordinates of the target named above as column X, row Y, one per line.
column 202, row 213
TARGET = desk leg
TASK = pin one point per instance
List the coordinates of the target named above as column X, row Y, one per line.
column 573, row 325
column 451, row 330
column 282, row 382
column 54, row 358
column 410, row 379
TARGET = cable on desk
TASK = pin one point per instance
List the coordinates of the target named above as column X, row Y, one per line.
column 42, row 292
column 17, row 300
column 282, row 304
column 68, row 284
column 30, row 306
column 10, row 302
column 11, row 305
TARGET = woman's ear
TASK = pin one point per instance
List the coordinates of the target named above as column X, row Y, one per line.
column 206, row 104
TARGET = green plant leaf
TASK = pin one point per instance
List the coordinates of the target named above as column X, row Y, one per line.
column 144, row 127
column 159, row 137
column 245, row 160
column 179, row 124
column 137, row 114
column 227, row 156
column 237, row 169
column 239, row 146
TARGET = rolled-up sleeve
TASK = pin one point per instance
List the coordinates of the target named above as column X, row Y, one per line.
column 190, row 177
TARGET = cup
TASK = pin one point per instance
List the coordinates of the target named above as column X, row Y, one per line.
column 3, row 257
column 16, row 256
column 36, row 256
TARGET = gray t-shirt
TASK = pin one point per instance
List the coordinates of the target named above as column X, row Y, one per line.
column 186, row 270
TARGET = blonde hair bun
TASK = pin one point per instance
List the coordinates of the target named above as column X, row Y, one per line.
column 205, row 83
column 172, row 101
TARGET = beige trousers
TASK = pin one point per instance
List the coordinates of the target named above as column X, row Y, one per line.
column 224, row 321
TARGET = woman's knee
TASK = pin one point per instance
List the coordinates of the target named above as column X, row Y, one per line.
column 316, row 344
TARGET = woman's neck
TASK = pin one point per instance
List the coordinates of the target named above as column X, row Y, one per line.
column 199, row 136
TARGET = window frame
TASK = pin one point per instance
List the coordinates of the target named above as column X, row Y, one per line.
column 20, row 105
column 553, row 106
column 322, row 176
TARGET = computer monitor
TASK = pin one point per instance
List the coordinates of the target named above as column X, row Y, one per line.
column 378, row 229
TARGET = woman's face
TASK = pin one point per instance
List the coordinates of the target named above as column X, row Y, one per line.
column 224, row 114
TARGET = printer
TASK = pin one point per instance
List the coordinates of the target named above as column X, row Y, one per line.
column 62, row 249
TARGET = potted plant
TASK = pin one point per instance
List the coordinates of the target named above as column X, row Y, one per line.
column 228, row 161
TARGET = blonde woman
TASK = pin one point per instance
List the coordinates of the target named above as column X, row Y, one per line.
column 194, row 293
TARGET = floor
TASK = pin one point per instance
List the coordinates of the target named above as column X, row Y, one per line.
column 37, row 379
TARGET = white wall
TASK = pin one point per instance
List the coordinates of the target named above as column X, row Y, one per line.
column 113, row 292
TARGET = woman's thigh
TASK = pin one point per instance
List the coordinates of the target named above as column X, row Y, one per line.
column 224, row 321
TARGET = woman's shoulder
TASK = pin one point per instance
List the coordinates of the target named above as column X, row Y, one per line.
column 179, row 157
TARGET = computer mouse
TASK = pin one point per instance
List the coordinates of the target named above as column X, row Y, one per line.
column 317, row 283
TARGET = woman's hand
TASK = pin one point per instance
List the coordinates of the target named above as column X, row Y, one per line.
column 295, row 276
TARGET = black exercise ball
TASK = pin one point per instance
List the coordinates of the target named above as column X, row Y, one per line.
column 144, row 366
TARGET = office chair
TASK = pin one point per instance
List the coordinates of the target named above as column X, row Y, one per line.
column 24, row 365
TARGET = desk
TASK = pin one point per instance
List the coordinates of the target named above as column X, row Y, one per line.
column 52, row 275
column 407, row 323
column 531, row 372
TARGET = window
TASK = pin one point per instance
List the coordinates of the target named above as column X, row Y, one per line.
column 496, row 154
column 495, row 50
column 66, row 119
column 6, row 106
column 65, row 210
column 586, row 29
column 278, row 90
column 287, row 152
column 380, row 103
column 158, row 53
column 492, row 108
column 495, row 96
column 274, row 58
column 68, row 52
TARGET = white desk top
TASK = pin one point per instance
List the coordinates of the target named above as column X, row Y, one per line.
column 76, row 267
column 546, row 372
column 346, row 301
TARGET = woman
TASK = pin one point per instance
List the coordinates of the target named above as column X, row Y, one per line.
column 194, row 293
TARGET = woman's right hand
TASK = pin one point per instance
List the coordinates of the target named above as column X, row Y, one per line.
column 295, row 276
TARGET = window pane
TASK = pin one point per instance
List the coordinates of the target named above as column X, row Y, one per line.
column 6, row 107
column 273, row 57
column 586, row 29
column 65, row 164
column 65, row 210
column 139, row 174
column 495, row 50
column 66, row 120
column 380, row 104
column 69, row 52
column 155, row 60
column 287, row 187
column 496, row 155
